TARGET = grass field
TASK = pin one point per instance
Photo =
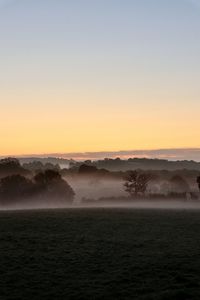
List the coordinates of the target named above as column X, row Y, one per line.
column 100, row 254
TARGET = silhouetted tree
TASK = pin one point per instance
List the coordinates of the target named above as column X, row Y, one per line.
column 198, row 182
column 46, row 187
column 38, row 166
column 11, row 166
column 85, row 169
column 10, row 162
column 136, row 183
column 46, row 177
column 51, row 185
column 15, row 187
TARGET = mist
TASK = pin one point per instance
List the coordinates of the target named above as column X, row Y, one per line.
column 44, row 185
column 94, row 188
column 101, row 193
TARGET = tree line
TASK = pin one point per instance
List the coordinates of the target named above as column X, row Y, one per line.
column 47, row 182
column 19, row 186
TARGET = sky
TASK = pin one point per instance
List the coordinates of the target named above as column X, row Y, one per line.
column 99, row 75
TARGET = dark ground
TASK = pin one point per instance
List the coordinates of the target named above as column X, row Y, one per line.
column 100, row 254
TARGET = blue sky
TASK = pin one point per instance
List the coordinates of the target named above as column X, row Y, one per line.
column 119, row 64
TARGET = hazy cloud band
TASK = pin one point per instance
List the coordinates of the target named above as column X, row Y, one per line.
column 170, row 154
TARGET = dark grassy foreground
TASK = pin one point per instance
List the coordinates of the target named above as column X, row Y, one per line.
column 100, row 254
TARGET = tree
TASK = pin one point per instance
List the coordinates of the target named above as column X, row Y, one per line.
column 86, row 169
column 15, row 187
column 136, row 183
column 198, row 182
column 46, row 177
column 47, row 187
column 11, row 166
column 50, row 185
column 10, row 162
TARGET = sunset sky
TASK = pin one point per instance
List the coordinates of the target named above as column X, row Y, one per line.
column 99, row 75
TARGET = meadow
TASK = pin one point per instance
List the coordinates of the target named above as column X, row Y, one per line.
column 104, row 253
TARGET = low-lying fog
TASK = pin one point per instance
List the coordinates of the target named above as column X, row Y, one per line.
column 87, row 188
column 158, row 204
column 100, row 193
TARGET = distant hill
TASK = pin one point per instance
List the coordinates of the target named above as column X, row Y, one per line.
column 119, row 164
column 142, row 163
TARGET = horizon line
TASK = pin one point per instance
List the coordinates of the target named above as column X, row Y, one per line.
column 160, row 153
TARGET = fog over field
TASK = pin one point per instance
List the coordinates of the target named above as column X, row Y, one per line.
column 44, row 184
column 97, row 188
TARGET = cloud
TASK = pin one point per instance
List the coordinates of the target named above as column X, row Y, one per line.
column 169, row 154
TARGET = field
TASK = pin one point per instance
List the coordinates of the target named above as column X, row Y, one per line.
column 100, row 254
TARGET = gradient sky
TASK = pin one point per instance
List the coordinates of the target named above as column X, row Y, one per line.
column 99, row 75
